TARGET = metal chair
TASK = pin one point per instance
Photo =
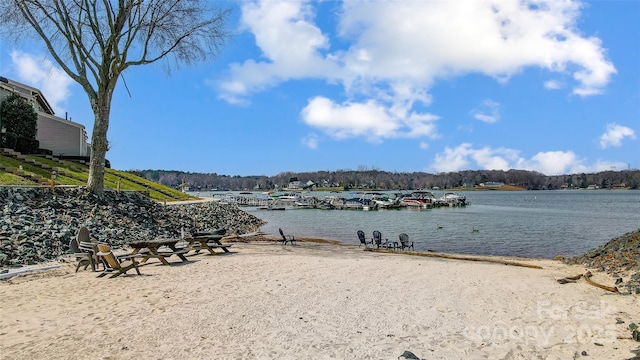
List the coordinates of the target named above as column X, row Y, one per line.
column 404, row 242
column 363, row 240
column 286, row 238
column 377, row 240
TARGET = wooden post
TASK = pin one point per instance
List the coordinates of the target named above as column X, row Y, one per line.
column 53, row 180
column 118, row 186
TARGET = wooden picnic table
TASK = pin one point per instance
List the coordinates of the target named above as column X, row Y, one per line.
column 208, row 241
column 152, row 249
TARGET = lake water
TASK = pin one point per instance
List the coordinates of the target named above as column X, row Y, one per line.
column 539, row 224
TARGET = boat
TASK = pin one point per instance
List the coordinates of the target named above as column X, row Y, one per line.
column 453, row 199
column 356, row 202
column 384, row 201
column 285, row 196
column 378, row 201
column 331, row 202
column 419, row 198
column 375, row 200
column 353, row 203
column 279, row 208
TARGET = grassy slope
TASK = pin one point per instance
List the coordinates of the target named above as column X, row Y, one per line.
column 32, row 169
column 7, row 178
column 72, row 173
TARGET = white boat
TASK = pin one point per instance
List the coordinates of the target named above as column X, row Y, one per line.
column 419, row 198
column 380, row 200
column 307, row 201
column 453, row 199
column 353, row 204
column 285, row 197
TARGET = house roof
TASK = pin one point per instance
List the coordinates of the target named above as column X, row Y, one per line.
column 63, row 121
column 29, row 92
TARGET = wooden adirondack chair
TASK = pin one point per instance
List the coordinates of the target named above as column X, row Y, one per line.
column 84, row 250
column 115, row 265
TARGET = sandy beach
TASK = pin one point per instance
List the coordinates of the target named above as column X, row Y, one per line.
column 315, row 301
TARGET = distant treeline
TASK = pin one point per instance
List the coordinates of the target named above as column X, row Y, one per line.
column 383, row 180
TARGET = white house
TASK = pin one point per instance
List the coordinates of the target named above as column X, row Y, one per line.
column 294, row 184
column 492, row 184
column 61, row 136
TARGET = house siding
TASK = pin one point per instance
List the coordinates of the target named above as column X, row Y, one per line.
column 62, row 137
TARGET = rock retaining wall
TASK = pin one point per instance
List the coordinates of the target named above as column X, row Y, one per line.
column 38, row 223
column 620, row 258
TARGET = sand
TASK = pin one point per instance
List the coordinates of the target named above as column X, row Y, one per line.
column 315, row 301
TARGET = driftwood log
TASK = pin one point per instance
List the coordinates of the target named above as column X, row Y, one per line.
column 570, row 279
column 587, row 278
column 457, row 257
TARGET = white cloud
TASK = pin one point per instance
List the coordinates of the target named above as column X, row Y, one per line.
column 465, row 156
column 553, row 85
column 452, row 38
column 369, row 119
column 452, row 159
column 552, row 162
column 389, row 54
column 349, row 119
column 40, row 73
column 290, row 43
column 598, row 166
column 615, row 134
column 311, row 141
column 488, row 112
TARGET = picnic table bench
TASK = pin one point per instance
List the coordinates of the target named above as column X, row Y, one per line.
column 159, row 249
column 208, row 242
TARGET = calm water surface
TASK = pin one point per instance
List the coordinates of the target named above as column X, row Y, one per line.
column 522, row 223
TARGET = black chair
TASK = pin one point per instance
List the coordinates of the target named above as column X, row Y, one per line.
column 404, row 242
column 363, row 240
column 377, row 240
column 286, row 238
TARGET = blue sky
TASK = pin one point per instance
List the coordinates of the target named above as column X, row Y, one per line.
column 435, row 86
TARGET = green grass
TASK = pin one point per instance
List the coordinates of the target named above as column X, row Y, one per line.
column 144, row 183
column 32, row 169
column 334, row 188
column 7, row 178
column 73, row 173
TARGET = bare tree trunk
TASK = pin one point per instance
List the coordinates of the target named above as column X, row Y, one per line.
column 99, row 143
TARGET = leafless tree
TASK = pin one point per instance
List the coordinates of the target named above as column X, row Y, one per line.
column 94, row 41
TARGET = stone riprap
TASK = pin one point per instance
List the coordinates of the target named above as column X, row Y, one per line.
column 38, row 223
column 620, row 258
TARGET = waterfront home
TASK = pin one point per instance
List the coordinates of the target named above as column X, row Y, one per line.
column 61, row 136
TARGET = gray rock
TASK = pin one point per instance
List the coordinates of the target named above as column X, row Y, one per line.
column 620, row 257
column 37, row 224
